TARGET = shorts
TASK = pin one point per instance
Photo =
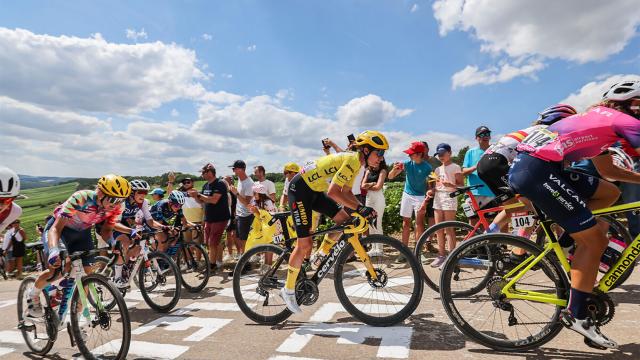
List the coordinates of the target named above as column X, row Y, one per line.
column 71, row 240
column 213, row 233
column 561, row 195
column 303, row 200
column 232, row 224
column 493, row 169
column 442, row 201
column 410, row 204
column 243, row 226
column 430, row 210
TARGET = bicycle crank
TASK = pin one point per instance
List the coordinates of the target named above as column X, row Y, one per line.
column 601, row 307
column 307, row 292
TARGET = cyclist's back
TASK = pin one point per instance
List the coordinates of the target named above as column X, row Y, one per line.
column 340, row 168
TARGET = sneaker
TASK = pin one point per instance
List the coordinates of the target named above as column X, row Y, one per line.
column 439, row 261
column 588, row 329
column 121, row 283
column 227, row 258
column 289, row 297
column 34, row 307
column 401, row 259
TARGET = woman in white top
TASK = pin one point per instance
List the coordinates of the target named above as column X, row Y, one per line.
column 14, row 248
column 373, row 182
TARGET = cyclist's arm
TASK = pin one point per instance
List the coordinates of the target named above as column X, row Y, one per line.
column 343, row 195
column 154, row 224
column 53, row 237
column 606, row 169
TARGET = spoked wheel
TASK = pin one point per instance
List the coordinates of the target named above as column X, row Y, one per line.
column 488, row 316
column 159, row 282
column 39, row 334
column 98, row 331
column 390, row 298
column 257, row 279
column 101, row 266
column 193, row 261
column 426, row 250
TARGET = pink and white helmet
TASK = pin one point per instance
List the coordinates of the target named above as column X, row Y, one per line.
column 259, row 189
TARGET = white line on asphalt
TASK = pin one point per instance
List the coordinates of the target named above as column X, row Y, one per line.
column 208, row 306
column 11, row 337
column 146, row 349
column 180, row 323
column 5, row 303
column 5, row 351
column 285, row 357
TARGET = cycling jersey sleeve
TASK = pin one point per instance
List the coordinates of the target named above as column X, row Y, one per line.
column 628, row 128
column 75, row 202
column 14, row 213
column 114, row 216
column 346, row 174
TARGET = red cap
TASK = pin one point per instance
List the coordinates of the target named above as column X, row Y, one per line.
column 416, row 147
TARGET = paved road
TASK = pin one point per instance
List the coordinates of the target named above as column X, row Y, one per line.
column 210, row 326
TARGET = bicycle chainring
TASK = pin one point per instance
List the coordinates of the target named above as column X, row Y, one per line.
column 307, row 292
column 601, row 307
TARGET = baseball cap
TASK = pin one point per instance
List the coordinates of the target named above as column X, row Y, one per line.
column 207, row 167
column 442, row 148
column 186, row 179
column 158, row 191
column 482, row 129
column 292, row 167
column 416, row 147
column 238, row 164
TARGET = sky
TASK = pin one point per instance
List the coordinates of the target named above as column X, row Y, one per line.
column 144, row 87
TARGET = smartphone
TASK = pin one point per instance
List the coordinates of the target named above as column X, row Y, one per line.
column 325, row 143
column 351, row 138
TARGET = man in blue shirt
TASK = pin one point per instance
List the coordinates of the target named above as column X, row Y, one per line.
column 483, row 195
column 415, row 188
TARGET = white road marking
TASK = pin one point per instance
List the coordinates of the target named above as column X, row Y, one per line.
column 285, row 357
column 5, row 351
column 11, row 337
column 208, row 306
column 180, row 323
column 5, row 303
column 146, row 349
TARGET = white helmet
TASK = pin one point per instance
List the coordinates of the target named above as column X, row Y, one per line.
column 177, row 197
column 621, row 159
column 9, row 183
column 139, row 185
column 622, row 91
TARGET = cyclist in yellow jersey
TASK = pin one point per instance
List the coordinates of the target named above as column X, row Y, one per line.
column 333, row 174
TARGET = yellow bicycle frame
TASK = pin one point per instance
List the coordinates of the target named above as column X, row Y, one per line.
column 354, row 232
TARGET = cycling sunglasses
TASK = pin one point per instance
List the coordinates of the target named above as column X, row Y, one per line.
column 380, row 153
column 6, row 200
column 144, row 192
column 114, row 200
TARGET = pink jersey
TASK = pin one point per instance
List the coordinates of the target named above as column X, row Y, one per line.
column 582, row 136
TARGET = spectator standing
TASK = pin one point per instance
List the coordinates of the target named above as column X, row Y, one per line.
column 449, row 177
column 216, row 211
column 483, row 195
column 373, row 182
column 415, row 188
column 192, row 209
column 232, row 237
column 244, row 192
column 260, row 173
column 14, row 246
column 290, row 170
column 431, row 183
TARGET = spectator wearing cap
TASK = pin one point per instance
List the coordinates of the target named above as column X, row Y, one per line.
column 192, row 209
column 260, row 173
column 483, row 194
column 290, row 170
column 244, row 192
column 216, row 211
column 415, row 188
column 157, row 194
column 448, row 178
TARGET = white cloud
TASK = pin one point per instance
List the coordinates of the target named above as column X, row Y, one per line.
column 226, row 76
column 251, row 48
column 415, row 8
column 471, row 75
column 135, row 35
column 369, row 110
column 91, row 74
column 175, row 113
column 207, row 37
column 543, row 29
column 592, row 92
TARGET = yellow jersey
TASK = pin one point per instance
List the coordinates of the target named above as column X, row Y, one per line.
column 340, row 169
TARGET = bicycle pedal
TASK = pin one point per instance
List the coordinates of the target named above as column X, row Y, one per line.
column 590, row 343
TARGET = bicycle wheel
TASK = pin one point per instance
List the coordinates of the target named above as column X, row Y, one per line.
column 193, row 261
column 36, row 332
column 159, row 282
column 490, row 318
column 98, row 331
column 387, row 301
column 426, row 249
column 257, row 288
column 101, row 266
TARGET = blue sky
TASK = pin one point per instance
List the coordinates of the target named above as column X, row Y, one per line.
column 311, row 58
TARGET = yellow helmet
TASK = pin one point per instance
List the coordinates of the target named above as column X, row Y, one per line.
column 114, row 186
column 373, row 138
column 292, row 167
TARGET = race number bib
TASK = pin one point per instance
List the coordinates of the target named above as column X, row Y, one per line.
column 468, row 209
column 311, row 165
column 278, row 239
column 537, row 139
column 522, row 220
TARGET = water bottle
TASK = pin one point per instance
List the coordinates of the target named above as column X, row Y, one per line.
column 611, row 254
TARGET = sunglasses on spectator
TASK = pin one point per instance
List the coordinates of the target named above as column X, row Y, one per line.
column 114, row 200
column 187, row 182
column 484, row 135
column 144, row 192
column 6, row 200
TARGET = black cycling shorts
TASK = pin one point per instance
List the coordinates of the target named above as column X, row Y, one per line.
column 561, row 195
column 303, row 200
column 493, row 169
column 70, row 240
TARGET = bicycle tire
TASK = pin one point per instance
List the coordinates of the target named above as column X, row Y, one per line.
column 205, row 271
column 24, row 285
column 548, row 265
column 246, row 308
column 410, row 305
column 144, row 291
column 107, row 272
column 103, row 322
column 423, row 244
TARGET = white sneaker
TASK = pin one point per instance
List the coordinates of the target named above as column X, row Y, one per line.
column 438, row 261
column 227, row 258
column 588, row 329
column 121, row 283
column 289, row 297
column 34, row 307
